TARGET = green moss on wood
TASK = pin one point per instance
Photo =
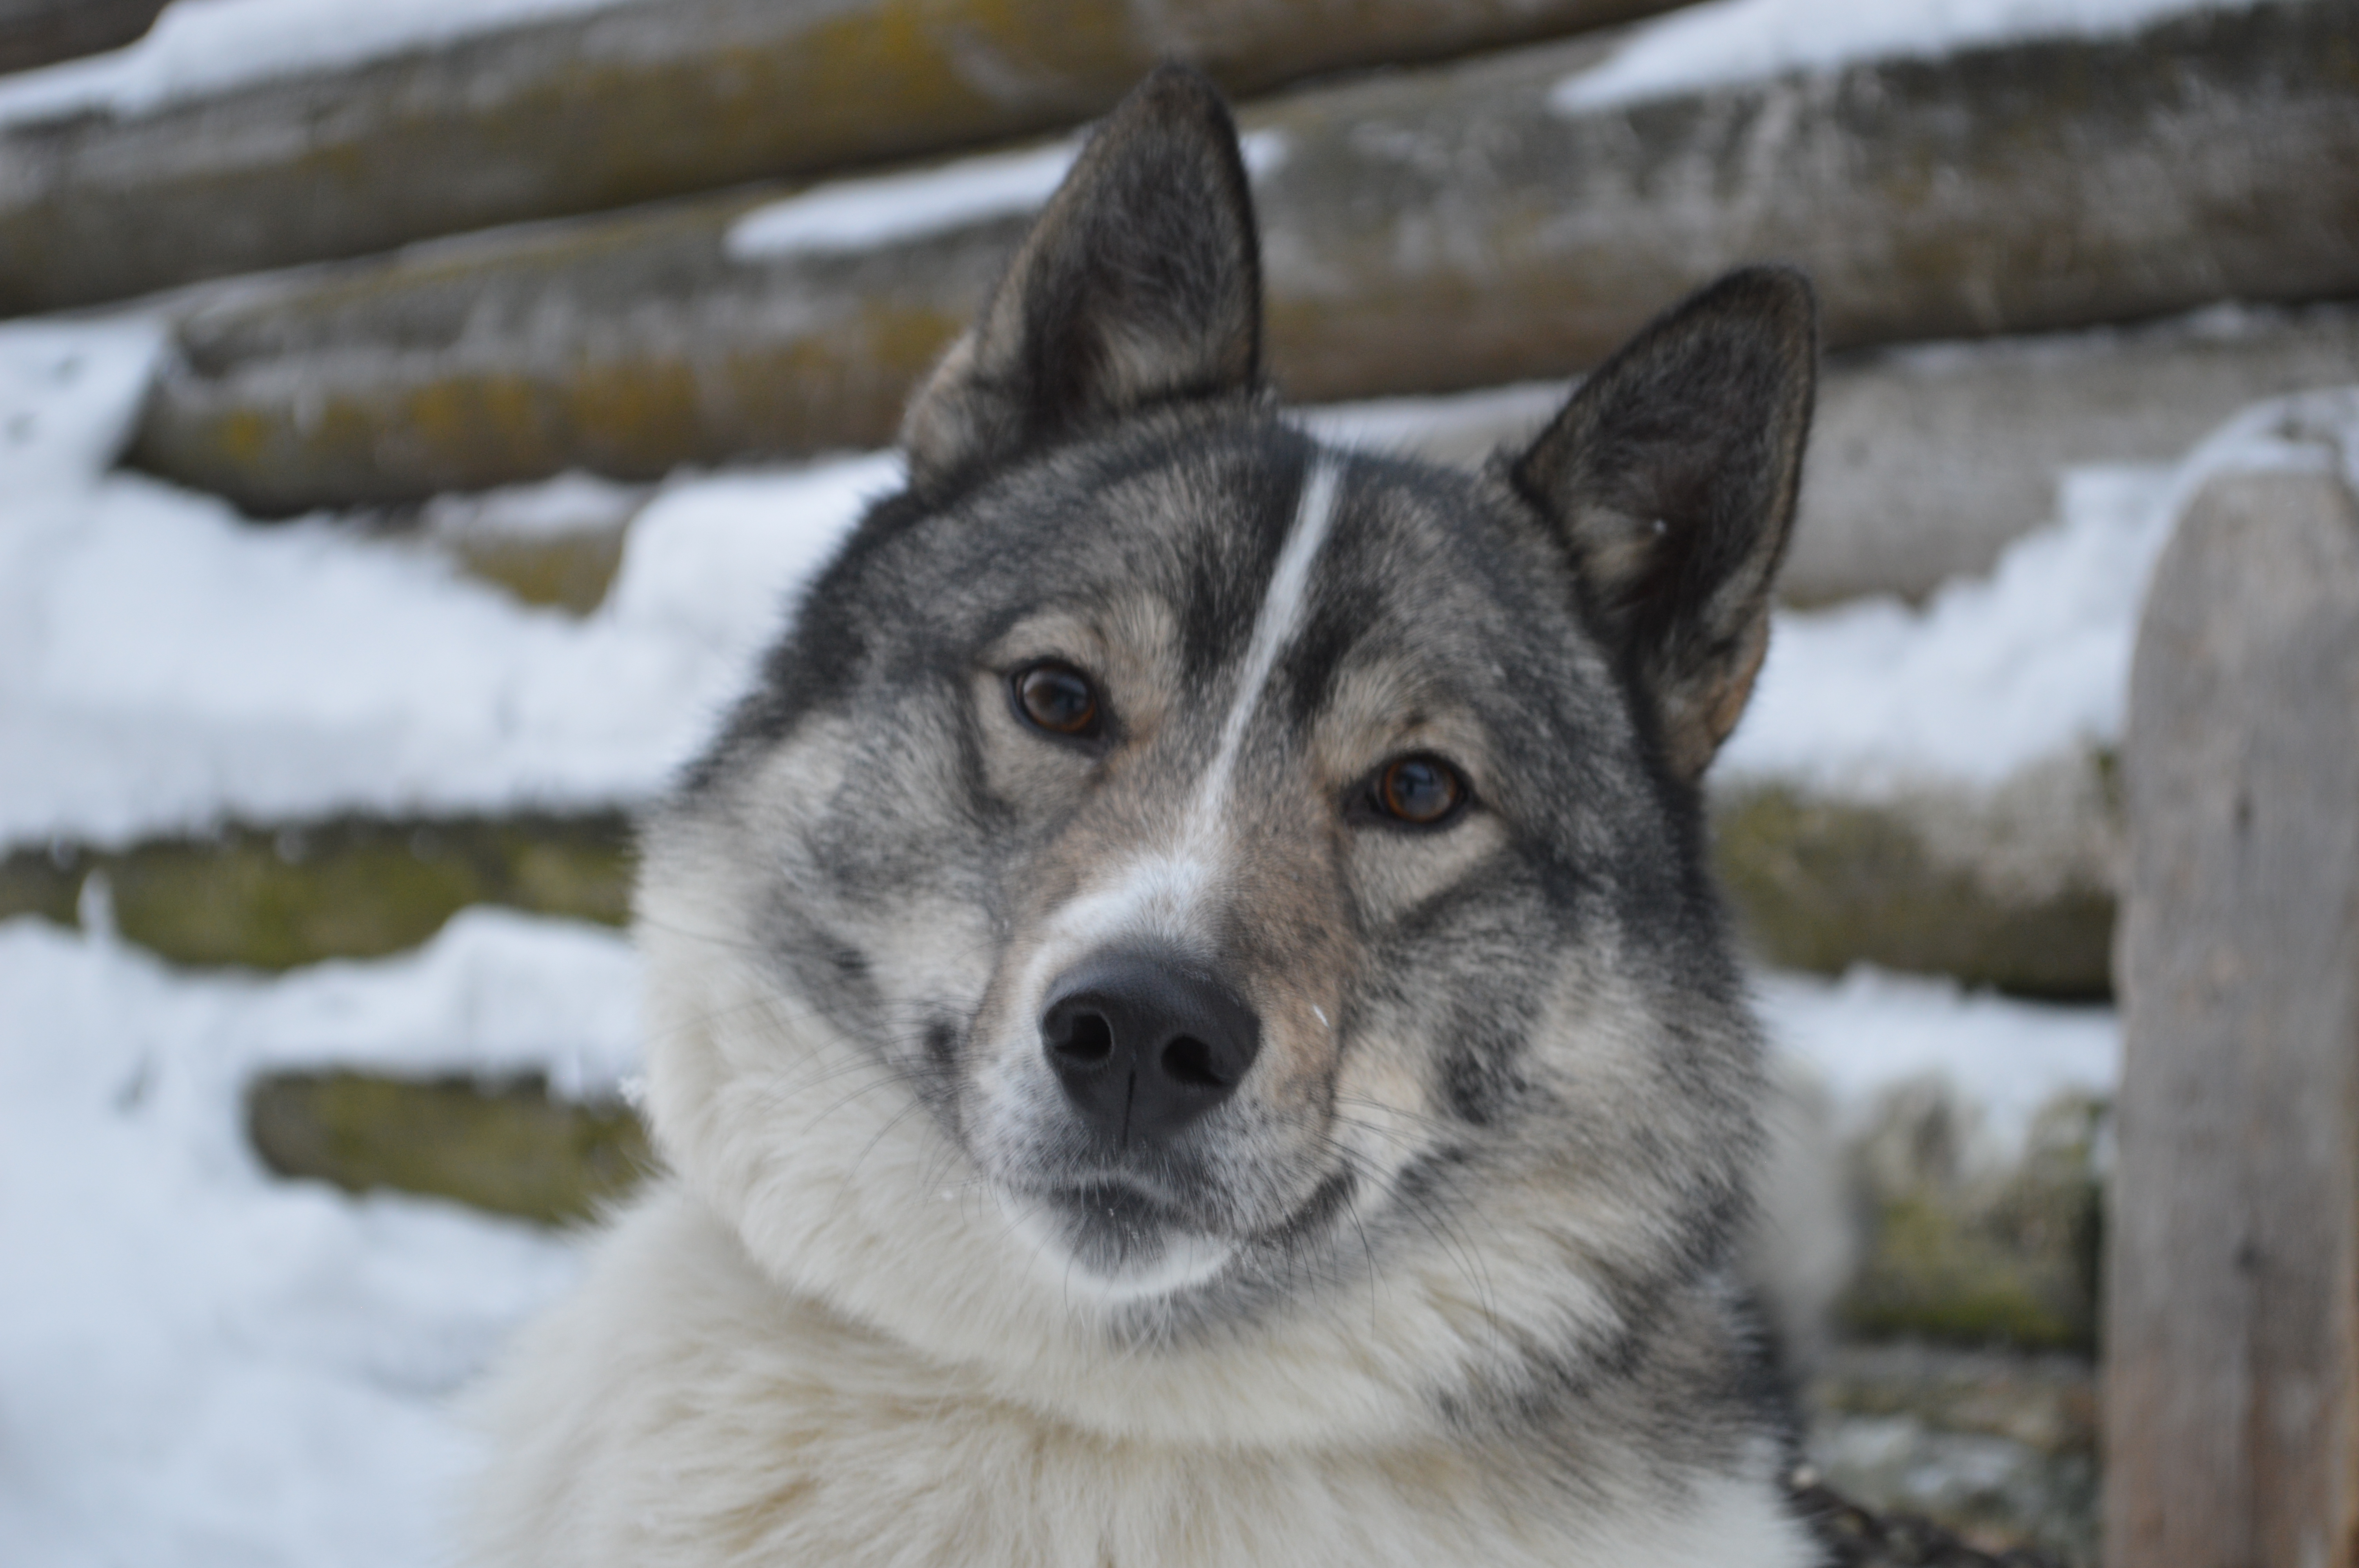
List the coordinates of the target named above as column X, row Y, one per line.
column 2009, row 1258
column 1820, row 884
column 508, row 1147
column 276, row 898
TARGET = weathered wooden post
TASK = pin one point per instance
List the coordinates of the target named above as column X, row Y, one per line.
column 2231, row 1334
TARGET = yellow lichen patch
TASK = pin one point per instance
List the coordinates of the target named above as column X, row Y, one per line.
column 243, row 437
column 633, row 418
column 491, row 426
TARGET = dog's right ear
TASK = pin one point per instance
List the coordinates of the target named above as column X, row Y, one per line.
column 1141, row 283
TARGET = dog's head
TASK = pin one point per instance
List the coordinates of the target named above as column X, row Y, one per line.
column 1178, row 883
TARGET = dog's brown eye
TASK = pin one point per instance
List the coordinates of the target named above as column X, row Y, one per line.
column 1058, row 698
column 1420, row 791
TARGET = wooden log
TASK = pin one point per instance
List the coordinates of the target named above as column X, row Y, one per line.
column 2011, row 888
column 38, row 32
column 1450, row 227
column 510, row 1147
column 274, row 897
column 1927, row 461
column 2232, row 1326
column 582, row 113
column 1425, row 231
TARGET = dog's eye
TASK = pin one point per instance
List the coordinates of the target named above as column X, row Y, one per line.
column 1421, row 791
column 1058, row 698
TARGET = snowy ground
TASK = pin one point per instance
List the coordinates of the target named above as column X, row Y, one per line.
column 164, row 664
column 200, row 1365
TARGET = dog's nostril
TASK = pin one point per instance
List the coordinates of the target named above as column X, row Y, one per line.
column 1088, row 1039
column 1188, row 1060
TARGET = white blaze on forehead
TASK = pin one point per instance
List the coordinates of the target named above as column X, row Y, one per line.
column 1281, row 615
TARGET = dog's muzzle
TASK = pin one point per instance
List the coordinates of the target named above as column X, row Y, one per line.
column 1145, row 1045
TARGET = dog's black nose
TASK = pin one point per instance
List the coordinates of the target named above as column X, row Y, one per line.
column 1143, row 1046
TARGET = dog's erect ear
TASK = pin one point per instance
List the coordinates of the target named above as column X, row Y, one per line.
column 1141, row 283
column 1672, row 475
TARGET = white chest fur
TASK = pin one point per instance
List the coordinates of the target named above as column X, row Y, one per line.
column 684, row 1410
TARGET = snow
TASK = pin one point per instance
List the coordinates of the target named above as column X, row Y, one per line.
column 68, row 397
column 712, row 562
column 204, row 1365
column 853, row 214
column 165, row 665
column 1996, row 674
column 201, row 48
column 1472, row 422
column 1993, row 674
column 892, row 209
column 1870, row 1032
column 569, row 505
column 1723, row 41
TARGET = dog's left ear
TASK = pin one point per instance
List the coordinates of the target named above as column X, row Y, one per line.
column 1139, row 284
column 1672, row 475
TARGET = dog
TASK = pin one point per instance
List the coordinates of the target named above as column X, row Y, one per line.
column 1188, row 1023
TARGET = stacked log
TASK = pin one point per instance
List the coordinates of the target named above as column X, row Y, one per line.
column 628, row 104
column 1425, row 231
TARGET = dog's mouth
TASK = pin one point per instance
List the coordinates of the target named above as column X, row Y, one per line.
column 1118, row 1240
column 1121, row 1243
column 1113, row 1226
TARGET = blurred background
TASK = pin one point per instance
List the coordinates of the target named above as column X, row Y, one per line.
column 415, row 415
